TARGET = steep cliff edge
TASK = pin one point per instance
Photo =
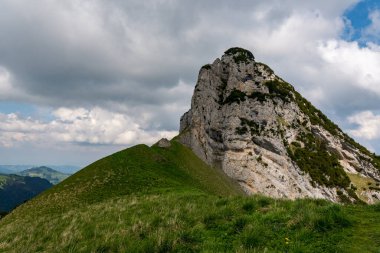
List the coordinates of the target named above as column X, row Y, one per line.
column 252, row 124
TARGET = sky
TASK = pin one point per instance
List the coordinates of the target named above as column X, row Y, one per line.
column 81, row 79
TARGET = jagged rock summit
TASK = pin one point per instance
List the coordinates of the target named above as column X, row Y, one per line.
column 164, row 143
column 253, row 125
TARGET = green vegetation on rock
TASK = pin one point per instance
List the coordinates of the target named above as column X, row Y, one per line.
column 323, row 167
column 261, row 97
column 255, row 128
column 265, row 67
column 236, row 96
column 207, row 66
column 277, row 89
column 286, row 92
column 280, row 90
column 240, row 54
column 372, row 158
column 315, row 115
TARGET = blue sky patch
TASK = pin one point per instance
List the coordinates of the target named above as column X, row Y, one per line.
column 23, row 109
column 357, row 20
column 26, row 110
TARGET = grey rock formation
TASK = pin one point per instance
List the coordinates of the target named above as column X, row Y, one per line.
column 253, row 125
column 164, row 143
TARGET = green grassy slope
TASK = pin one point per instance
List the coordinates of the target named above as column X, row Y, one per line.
column 161, row 200
column 138, row 170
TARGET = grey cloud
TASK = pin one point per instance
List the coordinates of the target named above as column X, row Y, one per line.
column 94, row 51
column 128, row 56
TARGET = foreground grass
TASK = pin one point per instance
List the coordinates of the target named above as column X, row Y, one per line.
column 196, row 222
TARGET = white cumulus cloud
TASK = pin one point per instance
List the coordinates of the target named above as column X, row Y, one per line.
column 78, row 125
column 373, row 30
column 359, row 66
column 368, row 125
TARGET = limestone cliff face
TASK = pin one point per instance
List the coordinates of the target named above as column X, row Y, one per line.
column 249, row 122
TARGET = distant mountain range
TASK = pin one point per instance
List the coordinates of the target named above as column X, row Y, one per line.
column 13, row 169
column 9, row 169
column 47, row 173
column 15, row 190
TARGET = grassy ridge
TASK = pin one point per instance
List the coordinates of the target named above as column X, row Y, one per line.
column 137, row 170
column 167, row 200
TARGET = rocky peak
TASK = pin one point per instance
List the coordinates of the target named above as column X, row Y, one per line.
column 247, row 121
column 163, row 143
